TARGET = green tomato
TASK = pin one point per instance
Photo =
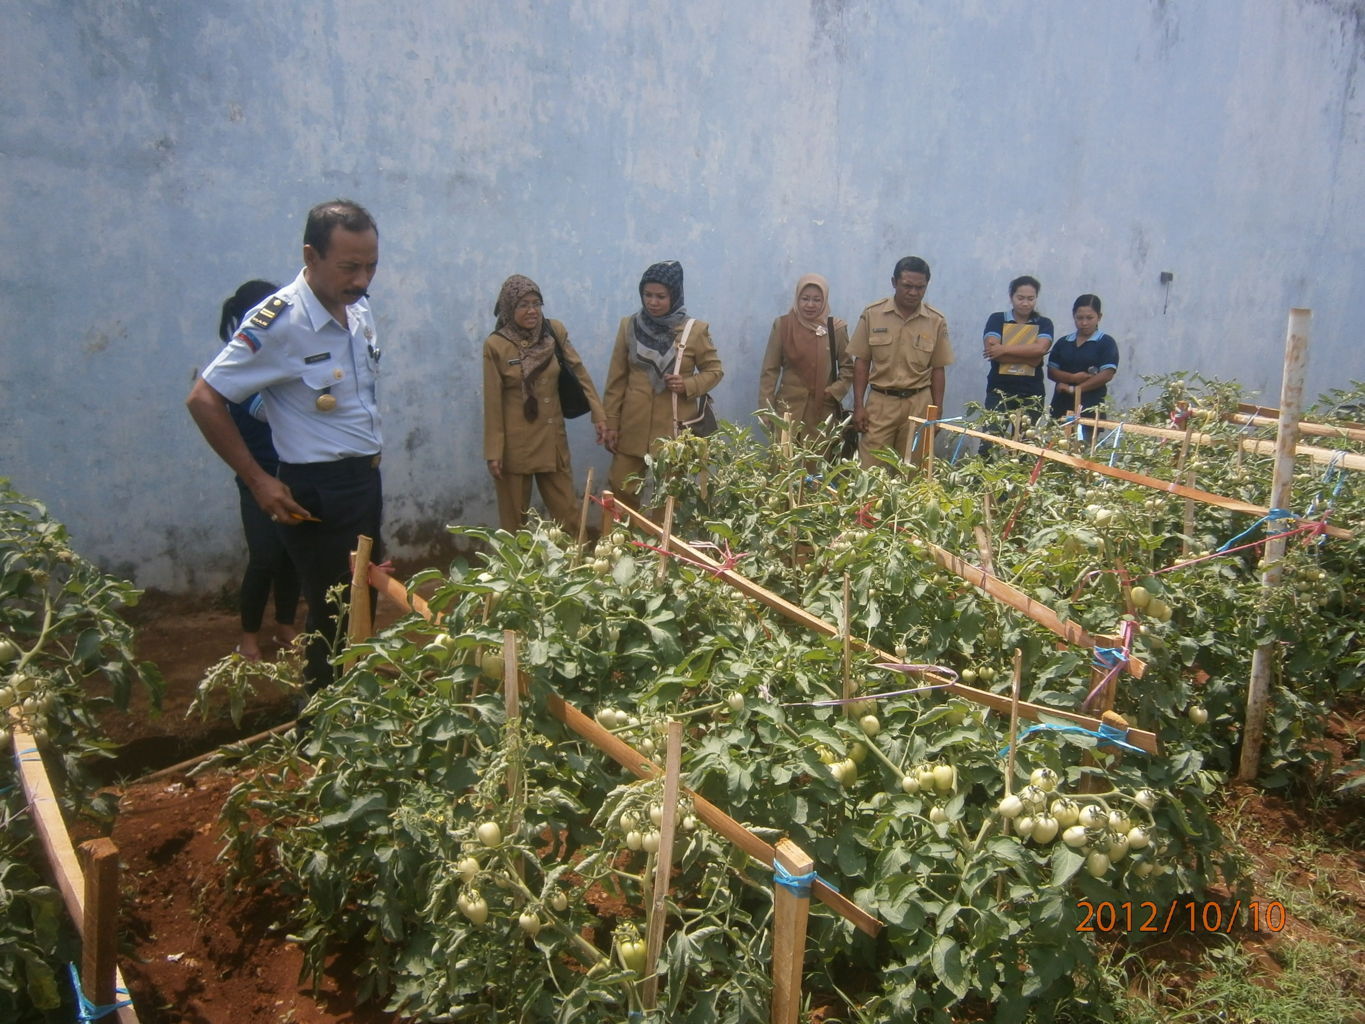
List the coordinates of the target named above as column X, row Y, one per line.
column 1097, row 864
column 490, row 834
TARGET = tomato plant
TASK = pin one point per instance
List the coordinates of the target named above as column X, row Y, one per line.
column 60, row 632
column 381, row 820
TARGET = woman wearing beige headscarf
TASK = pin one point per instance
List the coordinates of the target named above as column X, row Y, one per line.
column 806, row 368
column 523, row 423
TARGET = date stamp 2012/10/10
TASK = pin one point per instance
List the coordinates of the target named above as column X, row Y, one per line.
column 1194, row 915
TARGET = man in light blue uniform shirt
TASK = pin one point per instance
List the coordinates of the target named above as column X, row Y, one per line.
column 312, row 353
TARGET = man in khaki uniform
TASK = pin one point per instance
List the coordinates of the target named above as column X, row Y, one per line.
column 900, row 347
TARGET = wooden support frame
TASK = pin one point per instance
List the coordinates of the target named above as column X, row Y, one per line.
column 1255, row 445
column 663, row 865
column 46, row 814
column 1034, row 712
column 642, row 767
column 1206, row 497
column 791, row 912
column 1263, row 416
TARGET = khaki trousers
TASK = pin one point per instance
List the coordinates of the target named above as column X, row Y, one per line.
column 887, row 425
column 556, row 490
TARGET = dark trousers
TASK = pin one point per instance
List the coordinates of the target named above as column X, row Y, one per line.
column 347, row 496
column 267, row 565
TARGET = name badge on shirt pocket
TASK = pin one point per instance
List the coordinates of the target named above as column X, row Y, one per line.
column 514, row 362
column 320, row 357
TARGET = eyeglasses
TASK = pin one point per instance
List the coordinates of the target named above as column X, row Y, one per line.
column 528, row 304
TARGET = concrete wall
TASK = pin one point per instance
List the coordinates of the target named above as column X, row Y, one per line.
column 155, row 153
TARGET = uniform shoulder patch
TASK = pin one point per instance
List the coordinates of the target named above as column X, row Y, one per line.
column 265, row 316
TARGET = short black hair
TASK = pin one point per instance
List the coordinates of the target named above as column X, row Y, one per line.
column 246, row 298
column 913, row 264
column 346, row 213
column 1093, row 301
column 1020, row 282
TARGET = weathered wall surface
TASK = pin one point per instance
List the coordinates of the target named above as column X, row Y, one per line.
column 154, row 153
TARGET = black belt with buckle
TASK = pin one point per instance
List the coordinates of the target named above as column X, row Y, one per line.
column 899, row 392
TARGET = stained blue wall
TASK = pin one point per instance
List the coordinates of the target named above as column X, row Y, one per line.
column 155, row 154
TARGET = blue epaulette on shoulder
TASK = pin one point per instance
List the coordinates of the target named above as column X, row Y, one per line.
column 265, row 316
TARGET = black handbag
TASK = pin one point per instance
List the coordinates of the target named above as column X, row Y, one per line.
column 847, row 445
column 573, row 401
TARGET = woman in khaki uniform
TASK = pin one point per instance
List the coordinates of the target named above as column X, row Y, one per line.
column 523, row 424
column 645, row 375
column 804, row 376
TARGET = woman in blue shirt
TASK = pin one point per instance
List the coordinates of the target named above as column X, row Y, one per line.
column 1084, row 362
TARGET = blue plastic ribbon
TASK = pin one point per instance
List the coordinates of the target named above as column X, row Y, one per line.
column 86, row 1010
column 1274, row 515
column 799, row 885
column 1112, row 735
column 1110, row 657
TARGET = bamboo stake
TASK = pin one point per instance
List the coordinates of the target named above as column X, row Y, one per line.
column 1015, row 687
column 1291, row 400
column 583, row 510
column 1206, row 497
column 927, row 442
column 663, row 868
column 1180, row 475
column 664, row 557
column 1187, row 522
column 360, row 621
column 791, row 912
column 848, row 645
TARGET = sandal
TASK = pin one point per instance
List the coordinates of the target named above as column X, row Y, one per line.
column 243, row 655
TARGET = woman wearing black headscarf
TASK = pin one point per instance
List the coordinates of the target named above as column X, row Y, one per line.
column 646, row 375
column 523, row 423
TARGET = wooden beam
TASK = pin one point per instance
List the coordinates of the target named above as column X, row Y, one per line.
column 1256, row 445
column 1208, row 498
column 360, row 621
column 1021, row 602
column 642, row 767
column 46, row 815
column 1248, row 417
column 398, row 594
column 1034, row 712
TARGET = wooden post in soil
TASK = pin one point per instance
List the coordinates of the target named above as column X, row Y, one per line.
column 1186, row 478
column 848, row 646
column 927, row 442
column 583, row 510
column 1015, row 687
column 99, row 938
column 46, row 815
column 791, row 910
column 663, row 865
column 1291, row 401
column 360, row 619
column 664, row 556
column 511, row 695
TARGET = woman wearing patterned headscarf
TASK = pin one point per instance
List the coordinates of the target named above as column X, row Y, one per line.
column 523, row 424
column 807, row 369
column 642, row 381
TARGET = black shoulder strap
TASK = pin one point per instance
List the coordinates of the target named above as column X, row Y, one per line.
column 833, row 358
